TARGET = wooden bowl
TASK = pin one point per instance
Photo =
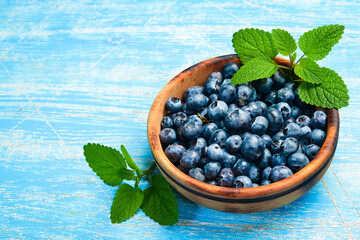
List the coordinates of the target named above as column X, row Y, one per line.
column 240, row 200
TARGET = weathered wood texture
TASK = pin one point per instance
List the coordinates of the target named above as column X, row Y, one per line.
column 73, row 72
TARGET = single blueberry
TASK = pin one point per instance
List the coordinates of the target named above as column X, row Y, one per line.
column 278, row 136
column 213, row 97
column 289, row 146
column 245, row 95
column 297, row 161
column 268, row 140
column 229, row 69
column 198, row 144
column 197, row 102
column 291, row 85
column 276, row 146
column 214, row 152
column 263, row 86
column 278, row 80
column 285, row 95
column 270, row 98
column 275, row 119
column 265, row 174
column 285, row 109
column 194, row 118
column 252, row 147
column 242, row 182
column 217, row 110
column 167, row 136
column 237, row 120
column 241, row 167
column 262, row 105
column 178, row 119
column 197, row 173
column 216, row 75
column 220, row 124
column 192, row 91
column 278, row 160
column 189, row 158
column 232, row 107
column 319, row 119
column 227, row 92
column 186, row 109
column 292, row 130
column 174, row 152
column 211, row 86
column 265, row 159
column 166, row 122
column 219, row 136
column 212, row 170
column 190, row 130
column 254, row 109
column 173, row 105
column 208, row 129
column 311, row 151
column 317, row 137
column 304, row 133
column 227, row 160
column 295, row 112
column 233, row 143
column 279, row 173
column 226, row 177
column 303, row 120
column 254, row 173
column 259, row 125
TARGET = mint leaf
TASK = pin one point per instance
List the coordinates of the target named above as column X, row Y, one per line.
column 309, row 71
column 106, row 162
column 250, row 43
column 317, row 43
column 160, row 203
column 126, row 174
column 293, row 57
column 283, row 41
column 126, row 202
column 332, row 93
column 256, row 68
column 128, row 158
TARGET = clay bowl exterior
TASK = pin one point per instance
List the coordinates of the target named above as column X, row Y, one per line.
column 242, row 200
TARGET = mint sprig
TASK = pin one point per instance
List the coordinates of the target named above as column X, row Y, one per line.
column 319, row 86
column 157, row 201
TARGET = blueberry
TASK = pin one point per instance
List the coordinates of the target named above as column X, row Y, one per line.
column 167, row 136
column 212, row 170
column 276, row 146
column 197, row 173
column 304, row 133
column 173, row 105
column 263, row 106
column 242, row 182
column 166, row 122
column 178, row 119
column 291, row 85
column 319, row 119
column 227, row 92
column 213, row 97
column 194, row 118
column 303, row 120
column 265, row 182
column 197, row 102
column 265, row 174
column 216, row 75
column 278, row 136
column 226, row 177
column 285, row 109
column 252, row 147
column 245, row 95
column 289, row 146
column 190, row 130
column 285, row 95
column 192, row 91
column 317, row 137
column 217, row 110
column 211, row 86
column 174, row 152
column 263, row 86
column 189, row 158
column 254, row 109
column 279, row 173
column 219, row 136
column 278, row 80
column 295, row 112
column 270, row 98
column 233, row 143
column 229, row 70
column 297, row 161
column 241, row 167
column 203, row 160
column 254, row 173
column 228, row 160
column 186, row 109
column 237, row 120
column 292, row 130
column 226, row 81
column 254, row 185
column 212, row 182
column 265, row 159
column 267, row 139
column 275, row 119
column 278, row 160
column 198, row 144
column 214, row 152
column 259, row 125
column 208, row 129
column 232, row 107
column 311, row 151
column 301, row 148
column 220, row 124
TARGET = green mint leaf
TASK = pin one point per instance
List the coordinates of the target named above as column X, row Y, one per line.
column 293, row 57
column 126, row 174
column 126, row 202
column 256, row 68
column 284, row 42
column 250, row 43
column 317, row 43
column 128, row 158
column 106, row 162
column 309, row 71
column 159, row 202
column 332, row 93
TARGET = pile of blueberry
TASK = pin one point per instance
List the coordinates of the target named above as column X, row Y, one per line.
column 241, row 136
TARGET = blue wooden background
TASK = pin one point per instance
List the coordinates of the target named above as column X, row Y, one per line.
column 73, row 72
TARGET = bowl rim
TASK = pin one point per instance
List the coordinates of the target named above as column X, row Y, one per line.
column 292, row 183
